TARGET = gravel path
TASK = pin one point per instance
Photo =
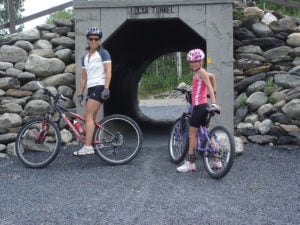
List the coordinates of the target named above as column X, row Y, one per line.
column 262, row 188
column 163, row 109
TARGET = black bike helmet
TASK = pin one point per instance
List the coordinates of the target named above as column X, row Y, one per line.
column 93, row 31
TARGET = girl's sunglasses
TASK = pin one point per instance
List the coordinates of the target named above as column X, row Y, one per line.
column 93, row 39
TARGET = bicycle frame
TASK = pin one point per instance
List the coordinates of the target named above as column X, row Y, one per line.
column 215, row 145
column 117, row 138
column 66, row 113
column 203, row 132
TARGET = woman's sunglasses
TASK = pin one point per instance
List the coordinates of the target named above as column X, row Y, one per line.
column 93, row 39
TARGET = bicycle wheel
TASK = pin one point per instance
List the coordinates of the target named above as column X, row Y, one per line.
column 219, row 156
column 38, row 143
column 178, row 140
column 120, row 139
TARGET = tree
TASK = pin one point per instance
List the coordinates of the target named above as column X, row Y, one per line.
column 18, row 9
column 62, row 14
column 277, row 7
column 179, row 65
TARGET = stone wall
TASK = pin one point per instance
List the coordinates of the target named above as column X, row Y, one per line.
column 267, row 77
column 266, row 72
column 45, row 54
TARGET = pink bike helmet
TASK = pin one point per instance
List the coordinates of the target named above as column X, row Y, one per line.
column 195, row 55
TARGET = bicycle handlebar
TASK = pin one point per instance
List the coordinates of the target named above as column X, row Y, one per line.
column 182, row 90
column 55, row 97
column 210, row 109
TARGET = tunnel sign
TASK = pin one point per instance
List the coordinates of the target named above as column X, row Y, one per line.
column 153, row 11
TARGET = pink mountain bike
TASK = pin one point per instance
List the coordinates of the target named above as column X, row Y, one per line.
column 117, row 138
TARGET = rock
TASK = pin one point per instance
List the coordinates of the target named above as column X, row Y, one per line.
column 286, row 80
column 10, row 120
column 26, row 45
column 277, row 54
column 6, row 65
column 257, row 70
column 253, row 11
column 42, row 44
column 64, row 55
column 261, row 30
column 43, row 67
column 263, row 139
column 292, row 109
column 46, row 53
column 59, row 79
column 64, row 41
column 295, row 71
column 294, row 40
column 12, row 54
column 36, row 107
column 283, row 25
column 8, row 83
column 257, row 99
column 268, row 18
column 265, row 43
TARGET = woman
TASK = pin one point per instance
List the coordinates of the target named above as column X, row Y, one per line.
column 96, row 75
column 202, row 81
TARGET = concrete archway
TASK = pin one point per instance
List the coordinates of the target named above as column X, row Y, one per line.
column 137, row 32
column 133, row 47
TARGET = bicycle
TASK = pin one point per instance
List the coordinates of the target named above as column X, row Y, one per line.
column 212, row 144
column 117, row 138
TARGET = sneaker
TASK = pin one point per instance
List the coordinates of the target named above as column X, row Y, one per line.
column 187, row 167
column 85, row 150
column 217, row 164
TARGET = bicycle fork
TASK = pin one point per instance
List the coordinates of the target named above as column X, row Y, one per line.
column 41, row 136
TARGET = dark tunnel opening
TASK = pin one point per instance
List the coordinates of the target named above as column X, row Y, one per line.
column 133, row 47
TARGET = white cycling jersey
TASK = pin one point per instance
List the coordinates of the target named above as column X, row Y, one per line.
column 95, row 67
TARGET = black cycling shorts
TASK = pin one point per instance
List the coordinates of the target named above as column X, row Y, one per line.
column 95, row 93
column 199, row 115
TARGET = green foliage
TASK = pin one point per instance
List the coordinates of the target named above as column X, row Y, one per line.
column 269, row 88
column 62, row 14
column 273, row 100
column 269, row 6
column 238, row 14
column 18, row 8
column 243, row 101
column 162, row 76
column 254, row 188
column 284, row 10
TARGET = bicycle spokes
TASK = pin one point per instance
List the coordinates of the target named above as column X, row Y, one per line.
column 220, row 152
column 38, row 143
column 120, row 139
column 178, row 141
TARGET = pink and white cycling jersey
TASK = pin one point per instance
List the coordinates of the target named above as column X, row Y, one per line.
column 199, row 91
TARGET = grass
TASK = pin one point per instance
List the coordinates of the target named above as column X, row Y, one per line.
column 161, row 76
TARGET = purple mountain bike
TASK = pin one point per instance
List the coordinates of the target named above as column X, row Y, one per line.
column 212, row 144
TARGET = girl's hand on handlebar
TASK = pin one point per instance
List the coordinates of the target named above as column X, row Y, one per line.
column 216, row 106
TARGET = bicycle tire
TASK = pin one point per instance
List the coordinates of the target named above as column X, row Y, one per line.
column 35, row 149
column 120, row 139
column 178, row 140
column 225, row 152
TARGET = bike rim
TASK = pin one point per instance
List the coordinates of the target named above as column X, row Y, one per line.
column 37, row 147
column 120, row 140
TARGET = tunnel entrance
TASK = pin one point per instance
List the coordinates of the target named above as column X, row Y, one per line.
column 136, row 32
column 133, row 47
